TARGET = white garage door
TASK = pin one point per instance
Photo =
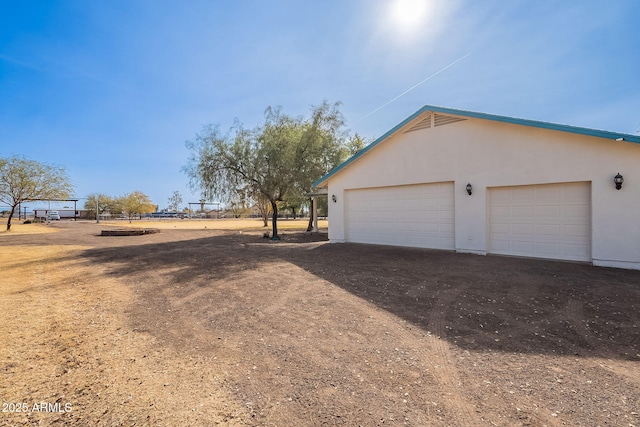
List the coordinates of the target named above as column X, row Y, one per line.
column 408, row 215
column 545, row 221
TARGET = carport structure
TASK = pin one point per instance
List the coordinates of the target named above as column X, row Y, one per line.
column 320, row 192
column 75, row 204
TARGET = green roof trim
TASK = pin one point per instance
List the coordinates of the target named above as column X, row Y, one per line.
column 616, row 136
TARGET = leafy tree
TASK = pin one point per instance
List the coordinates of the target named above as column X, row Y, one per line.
column 22, row 179
column 106, row 204
column 278, row 159
column 323, row 147
column 136, row 203
column 112, row 205
column 174, row 202
column 356, row 143
column 294, row 204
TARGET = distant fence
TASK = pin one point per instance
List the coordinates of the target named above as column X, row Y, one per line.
column 6, row 210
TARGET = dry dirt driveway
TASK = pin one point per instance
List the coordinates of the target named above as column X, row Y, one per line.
column 205, row 327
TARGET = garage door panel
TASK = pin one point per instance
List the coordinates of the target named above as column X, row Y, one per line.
column 573, row 211
column 414, row 215
column 430, row 215
column 576, row 195
column 522, row 211
column 545, row 193
column 578, row 231
column 501, row 196
column 552, row 211
column 497, row 211
column 447, row 216
column 552, row 250
column 499, row 229
column 413, row 204
column 547, row 230
column 575, row 250
column 447, row 227
column 522, row 228
column 549, row 221
column 500, row 245
column 526, row 194
column 523, row 247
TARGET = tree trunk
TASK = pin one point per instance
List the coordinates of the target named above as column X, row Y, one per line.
column 263, row 207
column 13, row 209
column 264, row 213
column 311, row 215
column 274, row 221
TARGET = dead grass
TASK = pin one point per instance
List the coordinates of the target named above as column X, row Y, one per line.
column 64, row 338
column 17, row 227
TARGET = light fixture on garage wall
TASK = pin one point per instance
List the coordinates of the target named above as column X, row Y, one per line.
column 618, row 180
column 333, row 197
column 469, row 188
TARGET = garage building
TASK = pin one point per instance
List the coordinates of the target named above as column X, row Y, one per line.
column 487, row 184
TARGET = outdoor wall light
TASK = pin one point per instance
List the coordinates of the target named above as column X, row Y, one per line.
column 333, row 197
column 618, row 180
column 469, row 188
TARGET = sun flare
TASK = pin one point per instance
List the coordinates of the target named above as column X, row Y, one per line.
column 408, row 15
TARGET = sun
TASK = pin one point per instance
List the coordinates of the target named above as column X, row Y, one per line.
column 409, row 15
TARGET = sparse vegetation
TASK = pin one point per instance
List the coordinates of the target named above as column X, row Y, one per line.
column 22, row 180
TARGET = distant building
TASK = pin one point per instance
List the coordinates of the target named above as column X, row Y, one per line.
column 64, row 213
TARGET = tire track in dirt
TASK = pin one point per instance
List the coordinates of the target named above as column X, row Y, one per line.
column 574, row 314
column 515, row 327
column 243, row 361
column 441, row 358
column 574, row 311
column 187, row 326
column 256, row 370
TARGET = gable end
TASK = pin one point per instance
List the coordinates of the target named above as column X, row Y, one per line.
column 432, row 120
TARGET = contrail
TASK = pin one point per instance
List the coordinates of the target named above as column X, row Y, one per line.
column 20, row 63
column 412, row 88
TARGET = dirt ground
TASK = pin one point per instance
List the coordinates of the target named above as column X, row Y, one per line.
column 206, row 327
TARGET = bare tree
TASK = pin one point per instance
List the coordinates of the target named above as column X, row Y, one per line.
column 174, row 202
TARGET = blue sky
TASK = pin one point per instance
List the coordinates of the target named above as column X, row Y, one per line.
column 111, row 90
